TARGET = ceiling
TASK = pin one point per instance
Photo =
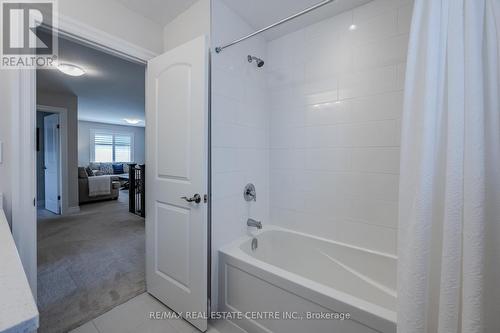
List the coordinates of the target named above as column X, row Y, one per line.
column 261, row 13
column 159, row 11
column 112, row 89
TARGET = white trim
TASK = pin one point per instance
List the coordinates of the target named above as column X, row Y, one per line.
column 63, row 153
column 24, row 172
column 100, row 40
column 23, row 137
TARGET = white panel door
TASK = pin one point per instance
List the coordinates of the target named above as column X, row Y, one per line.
column 177, row 167
column 51, row 163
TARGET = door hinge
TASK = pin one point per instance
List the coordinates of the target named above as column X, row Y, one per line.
column 58, row 126
column 58, row 197
column 34, row 202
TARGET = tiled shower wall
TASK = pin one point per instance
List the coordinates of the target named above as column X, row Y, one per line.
column 240, row 127
column 335, row 104
column 317, row 129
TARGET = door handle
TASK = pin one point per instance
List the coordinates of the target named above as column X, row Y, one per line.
column 196, row 198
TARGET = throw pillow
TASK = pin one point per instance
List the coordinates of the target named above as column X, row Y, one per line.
column 118, row 169
column 90, row 172
column 106, row 168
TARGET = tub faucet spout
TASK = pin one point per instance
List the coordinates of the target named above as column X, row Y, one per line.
column 253, row 223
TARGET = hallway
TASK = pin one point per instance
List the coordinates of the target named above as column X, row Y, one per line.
column 88, row 263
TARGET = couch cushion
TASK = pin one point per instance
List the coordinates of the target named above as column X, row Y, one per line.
column 118, row 169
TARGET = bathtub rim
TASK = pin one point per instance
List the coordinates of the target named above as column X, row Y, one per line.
column 364, row 312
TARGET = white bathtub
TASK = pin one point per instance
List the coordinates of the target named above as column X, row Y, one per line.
column 291, row 274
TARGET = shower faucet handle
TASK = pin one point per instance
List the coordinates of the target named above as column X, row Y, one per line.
column 249, row 193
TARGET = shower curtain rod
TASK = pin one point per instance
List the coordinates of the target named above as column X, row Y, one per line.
column 219, row 49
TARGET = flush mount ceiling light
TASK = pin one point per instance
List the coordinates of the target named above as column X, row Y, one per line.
column 353, row 26
column 71, row 70
column 132, row 121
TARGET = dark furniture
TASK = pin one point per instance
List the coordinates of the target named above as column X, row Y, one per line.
column 136, row 188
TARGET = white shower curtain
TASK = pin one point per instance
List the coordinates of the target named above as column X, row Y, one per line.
column 449, row 209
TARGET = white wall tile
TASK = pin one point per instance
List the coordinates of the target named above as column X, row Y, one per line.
column 227, row 109
column 375, row 8
column 322, row 136
column 317, row 129
column 240, row 132
column 375, row 186
column 328, row 159
column 335, row 125
column 404, row 16
column 368, row 134
column 287, row 159
column 377, row 107
column 224, row 159
column 380, row 160
column 328, row 113
column 375, row 28
column 378, row 53
column 401, row 76
column 372, row 211
column 370, row 82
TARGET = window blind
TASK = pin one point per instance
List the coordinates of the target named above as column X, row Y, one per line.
column 111, row 147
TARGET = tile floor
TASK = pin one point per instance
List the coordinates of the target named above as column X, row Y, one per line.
column 133, row 317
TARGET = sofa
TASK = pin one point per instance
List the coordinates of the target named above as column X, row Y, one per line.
column 100, row 169
column 83, row 188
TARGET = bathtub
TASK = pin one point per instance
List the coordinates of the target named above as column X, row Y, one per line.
column 292, row 281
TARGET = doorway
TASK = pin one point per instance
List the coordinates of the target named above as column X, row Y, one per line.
column 23, row 218
column 51, row 160
column 90, row 258
column 48, row 162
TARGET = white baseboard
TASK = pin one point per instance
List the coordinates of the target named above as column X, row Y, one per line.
column 73, row 210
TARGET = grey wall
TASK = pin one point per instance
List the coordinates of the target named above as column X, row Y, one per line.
column 69, row 102
column 84, row 128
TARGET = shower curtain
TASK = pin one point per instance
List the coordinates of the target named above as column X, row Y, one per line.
column 449, row 208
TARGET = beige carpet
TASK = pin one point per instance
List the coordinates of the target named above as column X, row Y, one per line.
column 88, row 263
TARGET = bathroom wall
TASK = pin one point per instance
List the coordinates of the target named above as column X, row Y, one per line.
column 240, row 119
column 336, row 99
column 194, row 22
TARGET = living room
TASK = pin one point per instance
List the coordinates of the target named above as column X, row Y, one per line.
column 90, row 185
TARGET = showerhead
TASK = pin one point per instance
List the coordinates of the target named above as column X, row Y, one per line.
column 259, row 61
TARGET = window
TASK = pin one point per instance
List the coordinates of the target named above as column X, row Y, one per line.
column 111, row 147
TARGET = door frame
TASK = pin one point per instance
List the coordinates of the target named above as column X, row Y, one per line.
column 63, row 156
column 24, row 229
